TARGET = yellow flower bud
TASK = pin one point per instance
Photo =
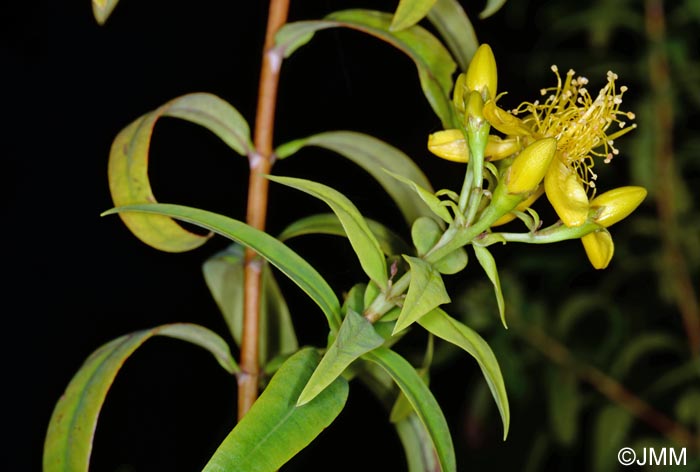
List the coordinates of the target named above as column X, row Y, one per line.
column 522, row 206
column 450, row 144
column 617, row 204
column 530, row 166
column 481, row 74
column 566, row 194
column 599, row 248
column 458, row 93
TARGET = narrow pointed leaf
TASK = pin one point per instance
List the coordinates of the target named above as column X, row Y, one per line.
column 410, row 12
column 489, row 264
column 426, row 291
column 363, row 241
column 275, row 429
column 327, row 223
column 422, row 400
column 101, row 9
column 428, row 197
column 128, row 164
column 279, row 255
column 355, row 337
column 433, row 61
column 445, row 327
column 373, row 155
column 492, row 6
column 223, row 273
column 454, row 26
column 564, row 404
column 71, row 430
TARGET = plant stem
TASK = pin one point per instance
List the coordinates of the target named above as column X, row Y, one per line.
column 260, row 164
column 676, row 266
column 608, row 386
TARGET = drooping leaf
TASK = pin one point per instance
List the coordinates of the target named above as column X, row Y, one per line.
column 223, row 273
column 275, row 429
column 327, row 223
column 128, row 164
column 101, row 9
column 71, row 429
column 643, row 344
column 454, row 26
column 492, row 6
column 428, row 197
column 611, row 429
column 402, row 408
column 373, row 155
column 489, row 264
column 451, row 330
column 410, row 12
column 564, row 404
column 361, row 238
column 422, row 400
column 434, row 63
column 426, row 291
column 279, row 255
column 355, row 337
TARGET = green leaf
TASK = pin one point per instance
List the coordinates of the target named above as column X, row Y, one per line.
column 564, row 404
column 426, row 291
column 492, row 6
column 410, row 12
column 101, row 9
column 489, row 264
column 279, row 255
column 373, row 155
column 128, row 165
column 434, row 63
column 445, row 327
column 612, row 426
column 425, row 233
column 355, row 337
column 454, row 26
column 275, row 429
column 223, row 273
column 643, row 344
column 71, row 429
column 422, row 400
column 327, row 223
column 428, row 197
column 363, row 241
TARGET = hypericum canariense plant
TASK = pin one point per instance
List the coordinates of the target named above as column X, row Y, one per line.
column 550, row 148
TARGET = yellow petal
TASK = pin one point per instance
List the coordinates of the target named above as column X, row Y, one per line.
column 599, row 248
column 566, row 194
column 504, row 121
column 522, row 206
column 530, row 166
column 482, row 75
column 449, row 144
column 498, row 148
column 617, row 204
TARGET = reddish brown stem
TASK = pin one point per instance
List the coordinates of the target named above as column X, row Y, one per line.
column 260, row 164
column 660, row 81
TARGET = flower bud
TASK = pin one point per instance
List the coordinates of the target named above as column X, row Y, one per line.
column 451, row 144
column 530, row 166
column 599, row 248
column 481, row 74
column 617, row 204
column 458, row 93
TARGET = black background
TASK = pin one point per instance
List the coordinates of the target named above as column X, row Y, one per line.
column 75, row 281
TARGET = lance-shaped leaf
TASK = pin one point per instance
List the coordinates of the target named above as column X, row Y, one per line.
column 428, row 197
column 279, row 255
column 454, row 26
column 101, row 9
column 223, row 273
column 373, row 155
column 492, row 6
column 275, row 429
column 355, row 337
column 422, row 400
column 363, row 241
column 426, row 291
column 433, row 61
column 489, row 264
column 128, row 164
column 72, row 427
column 327, row 223
column 410, row 12
column 451, row 330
